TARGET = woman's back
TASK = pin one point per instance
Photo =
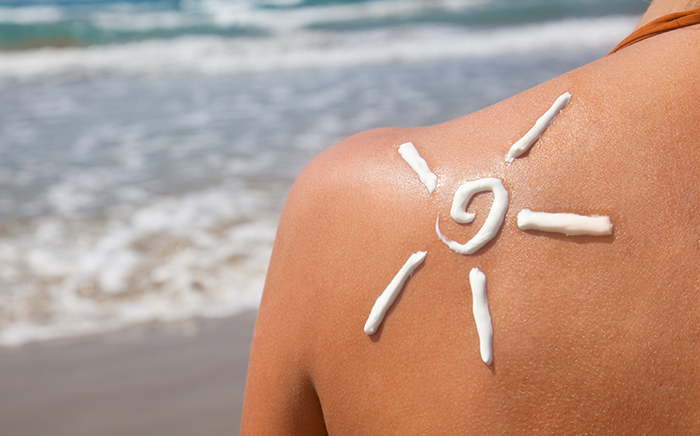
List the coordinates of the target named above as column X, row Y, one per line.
column 591, row 334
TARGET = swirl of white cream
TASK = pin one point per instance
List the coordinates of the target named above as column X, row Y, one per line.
column 493, row 222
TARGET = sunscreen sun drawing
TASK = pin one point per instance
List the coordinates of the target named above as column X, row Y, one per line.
column 567, row 223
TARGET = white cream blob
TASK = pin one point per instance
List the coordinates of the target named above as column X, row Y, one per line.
column 409, row 153
column 569, row 224
column 480, row 307
column 392, row 291
column 522, row 145
column 493, row 222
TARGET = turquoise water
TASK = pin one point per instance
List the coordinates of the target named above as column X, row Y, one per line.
column 146, row 148
column 61, row 23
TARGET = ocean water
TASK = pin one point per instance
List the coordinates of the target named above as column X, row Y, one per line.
column 147, row 147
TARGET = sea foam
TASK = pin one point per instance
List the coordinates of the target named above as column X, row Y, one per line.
column 201, row 254
column 216, row 55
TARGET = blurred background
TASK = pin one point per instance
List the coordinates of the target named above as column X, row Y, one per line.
column 147, row 146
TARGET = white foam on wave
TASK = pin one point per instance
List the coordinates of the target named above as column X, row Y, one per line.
column 202, row 254
column 284, row 16
column 146, row 21
column 216, row 55
column 31, row 14
column 227, row 14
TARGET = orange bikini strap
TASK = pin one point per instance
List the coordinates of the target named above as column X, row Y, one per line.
column 661, row 25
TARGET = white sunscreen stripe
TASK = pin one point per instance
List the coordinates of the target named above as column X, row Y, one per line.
column 569, row 224
column 538, row 129
column 493, row 222
column 392, row 291
column 420, row 166
column 480, row 307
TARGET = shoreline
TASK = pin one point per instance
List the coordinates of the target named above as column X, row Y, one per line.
column 178, row 378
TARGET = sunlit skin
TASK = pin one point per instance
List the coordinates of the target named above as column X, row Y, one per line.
column 592, row 334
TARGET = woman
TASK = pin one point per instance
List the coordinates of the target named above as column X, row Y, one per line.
column 591, row 334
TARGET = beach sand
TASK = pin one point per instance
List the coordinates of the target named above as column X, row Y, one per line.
column 184, row 378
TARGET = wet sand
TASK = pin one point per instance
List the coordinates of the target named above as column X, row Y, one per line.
column 184, row 378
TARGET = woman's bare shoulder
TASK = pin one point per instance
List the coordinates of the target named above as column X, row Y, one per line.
column 570, row 314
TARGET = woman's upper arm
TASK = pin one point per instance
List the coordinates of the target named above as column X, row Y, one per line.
column 280, row 394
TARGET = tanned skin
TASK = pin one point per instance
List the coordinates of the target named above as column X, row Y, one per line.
column 592, row 335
